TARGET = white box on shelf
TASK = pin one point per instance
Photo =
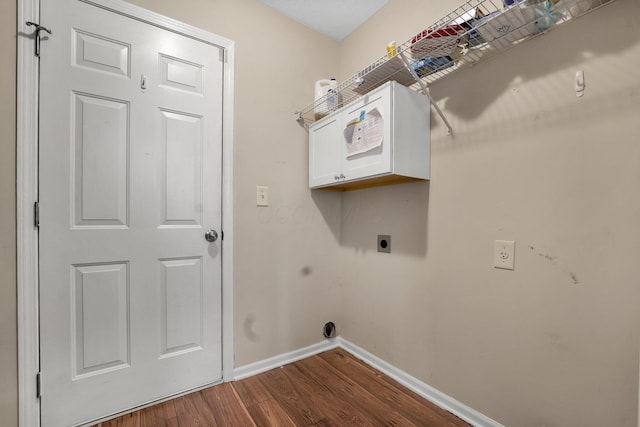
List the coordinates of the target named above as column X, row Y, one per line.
column 509, row 25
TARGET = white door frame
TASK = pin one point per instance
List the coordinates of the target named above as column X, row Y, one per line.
column 27, row 192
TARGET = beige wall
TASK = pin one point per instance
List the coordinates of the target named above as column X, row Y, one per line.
column 554, row 342
column 8, row 325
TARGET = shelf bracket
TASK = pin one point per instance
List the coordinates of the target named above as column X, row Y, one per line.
column 439, row 111
column 425, row 90
column 301, row 121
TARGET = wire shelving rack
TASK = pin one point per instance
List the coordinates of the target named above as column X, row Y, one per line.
column 476, row 30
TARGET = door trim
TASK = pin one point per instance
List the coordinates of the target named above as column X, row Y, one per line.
column 27, row 192
column 27, row 235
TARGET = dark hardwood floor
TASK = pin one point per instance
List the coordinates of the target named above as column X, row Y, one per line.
column 330, row 389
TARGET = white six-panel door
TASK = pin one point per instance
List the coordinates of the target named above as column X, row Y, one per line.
column 130, row 181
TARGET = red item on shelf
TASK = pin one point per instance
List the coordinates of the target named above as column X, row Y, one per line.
column 436, row 43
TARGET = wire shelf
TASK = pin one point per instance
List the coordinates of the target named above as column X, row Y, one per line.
column 476, row 30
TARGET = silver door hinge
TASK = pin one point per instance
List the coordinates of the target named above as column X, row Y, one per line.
column 36, row 214
column 38, row 386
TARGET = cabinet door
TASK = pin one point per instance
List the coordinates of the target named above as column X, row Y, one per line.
column 361, row 155
column 325, row 151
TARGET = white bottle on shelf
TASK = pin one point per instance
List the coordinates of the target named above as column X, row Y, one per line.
column 326, row 97
column 332, row 95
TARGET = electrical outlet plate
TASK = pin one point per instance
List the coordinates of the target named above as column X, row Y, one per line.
column 504, row 254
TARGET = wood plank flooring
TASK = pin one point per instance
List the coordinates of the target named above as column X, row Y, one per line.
column 330, row 389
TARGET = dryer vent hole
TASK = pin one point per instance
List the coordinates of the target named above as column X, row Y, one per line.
column 384, row 243
column 329, row 330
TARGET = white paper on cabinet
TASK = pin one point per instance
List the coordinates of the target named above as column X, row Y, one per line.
column 364, row 134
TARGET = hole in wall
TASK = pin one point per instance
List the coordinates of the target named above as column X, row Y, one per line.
column 329, row 330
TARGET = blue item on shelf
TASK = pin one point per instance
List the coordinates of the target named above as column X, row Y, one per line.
column 546, row 17
column 427, row 66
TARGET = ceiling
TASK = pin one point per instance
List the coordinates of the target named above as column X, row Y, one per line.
column 335, row 18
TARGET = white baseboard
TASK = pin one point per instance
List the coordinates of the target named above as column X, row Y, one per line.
column 434, row 395
column 283, row 359
column 444, row 401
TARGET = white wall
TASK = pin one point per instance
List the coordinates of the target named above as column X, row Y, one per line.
column 554, row 342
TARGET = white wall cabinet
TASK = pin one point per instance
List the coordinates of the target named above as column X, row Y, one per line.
column 390, row 142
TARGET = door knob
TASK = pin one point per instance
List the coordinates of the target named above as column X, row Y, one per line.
column 211, row 235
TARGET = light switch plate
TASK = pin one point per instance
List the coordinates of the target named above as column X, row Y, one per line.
column 262, row 196
column 504, row 254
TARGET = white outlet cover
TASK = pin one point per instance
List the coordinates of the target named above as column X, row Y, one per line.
column 504, row 254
